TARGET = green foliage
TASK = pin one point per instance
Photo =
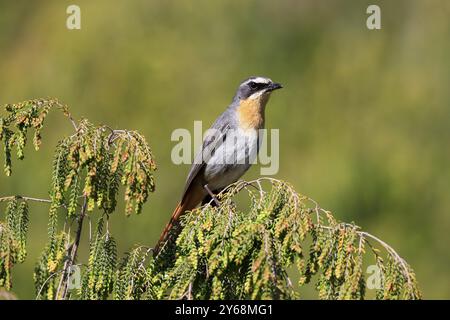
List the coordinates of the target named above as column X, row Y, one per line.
column 88, row 168
column 49, row 267
column 102, row 157
column 13, row 237
column 100, row 273
column 226, row 253
column 221, row 252
column 20, row 118
column 364, row 117
column 134, row 278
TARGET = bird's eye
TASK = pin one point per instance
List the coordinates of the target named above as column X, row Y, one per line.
column 253, row 85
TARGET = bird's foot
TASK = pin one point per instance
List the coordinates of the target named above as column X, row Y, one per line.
column 212, row 195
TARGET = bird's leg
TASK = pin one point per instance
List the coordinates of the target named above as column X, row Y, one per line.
column 212, row 195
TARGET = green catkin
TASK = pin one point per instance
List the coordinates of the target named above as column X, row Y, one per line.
column 21, row 231
column 252, row 251
column 220, row 253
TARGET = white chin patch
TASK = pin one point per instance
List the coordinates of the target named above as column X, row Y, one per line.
column 258, row 94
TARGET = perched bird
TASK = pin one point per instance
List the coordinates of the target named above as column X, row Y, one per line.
column 229, row 148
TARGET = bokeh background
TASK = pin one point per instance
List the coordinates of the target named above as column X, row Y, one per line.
column 364, row 117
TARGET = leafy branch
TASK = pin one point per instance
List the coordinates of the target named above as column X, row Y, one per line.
column 90, row 165
column 268, row 247
column 226, row 253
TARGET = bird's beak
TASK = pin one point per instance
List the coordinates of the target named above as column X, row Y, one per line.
column 275, row 86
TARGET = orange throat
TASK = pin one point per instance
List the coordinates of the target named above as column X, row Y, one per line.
column 251, row 112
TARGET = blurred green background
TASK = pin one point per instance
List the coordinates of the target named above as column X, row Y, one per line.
column 364, row 117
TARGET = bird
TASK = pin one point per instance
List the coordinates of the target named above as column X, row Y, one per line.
column 229, row 148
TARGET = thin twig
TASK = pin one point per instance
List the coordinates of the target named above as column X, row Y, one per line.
column 63, row 286
column 64, row 108
column 8, row 198
column 25, row 198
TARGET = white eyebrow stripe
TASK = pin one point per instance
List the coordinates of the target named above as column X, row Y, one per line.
column 259, row 80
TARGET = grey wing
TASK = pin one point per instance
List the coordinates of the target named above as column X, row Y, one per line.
column 213, row 139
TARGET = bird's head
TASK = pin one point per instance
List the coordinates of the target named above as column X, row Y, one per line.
column 255, row 88
column 251, row 99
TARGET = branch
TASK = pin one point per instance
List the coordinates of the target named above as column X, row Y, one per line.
column 64, row 108
column 266, row 241
column 63, row 284
column 3, row 199
column 8, row 198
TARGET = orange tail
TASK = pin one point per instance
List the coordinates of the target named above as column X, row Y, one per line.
column 190, row 201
